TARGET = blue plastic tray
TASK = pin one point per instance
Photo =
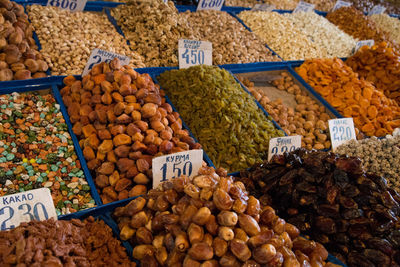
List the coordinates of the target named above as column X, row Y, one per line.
column 57, row 96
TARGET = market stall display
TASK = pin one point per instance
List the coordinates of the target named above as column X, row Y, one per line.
column 19, row 55
column 280, row 33
column 36, row 151
column 373, row 113
column 379, row 156
column 325, row 34
column 292, row 108
column 212, row 221
column 355, row 23
column 62, row 243
column 331, row 199
column 232, row 43
column 76, row 34
column 225, row 119
column 380, row 65
column 122, row 120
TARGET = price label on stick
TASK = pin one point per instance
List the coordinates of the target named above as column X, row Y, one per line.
column 377, row 10
column 97, row 56
column 360, row 44
column 210, row 4
column 263, row 7
column 340, row 4
column 192, row 53
column 304, row 7
column 174, row 165
column 71, row 5
column 26, row 206
column 341, row 131
column 280, row 145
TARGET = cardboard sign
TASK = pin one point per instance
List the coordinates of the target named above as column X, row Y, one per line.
column 210, row 4
column 263, row 7
column 70, row 5
column 360, row 44
column 341, row 131
column 31, row 205
column 340, row 4
column 174, row 165
column 377, row 10
column 192, row 53
column 304, row 7
column 280, row 145
column 97, row 56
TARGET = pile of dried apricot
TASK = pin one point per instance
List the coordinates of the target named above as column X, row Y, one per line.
column 380, row 65
column 372, row 111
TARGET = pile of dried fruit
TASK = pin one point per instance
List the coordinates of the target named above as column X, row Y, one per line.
column 307, row 118
column 123, row 121
column 62, row 243
column 373, row 113
column 380, row 65
column 19, row 58
column 330, row 198
column 212, row 221
column 379, row 156
column 232, row 129
column 356, row 24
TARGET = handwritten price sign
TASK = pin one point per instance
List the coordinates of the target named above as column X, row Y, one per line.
column 192, row 53
column 210, row 4
column 341, row 131
column 70, row 5
column 280, row 145
column 177, row 164
column 97, row 56
column 26, row 206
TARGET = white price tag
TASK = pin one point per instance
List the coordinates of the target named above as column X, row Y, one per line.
column 341, row 131
column 263, row 7
column 377, row 10
column 340, row 4
column 27, row 206
column 210, row 4
column 360, row 44
column 304, row 7
column 280, row 145
column 192, row 53
column 174, row 165
column 71, row 5
column 97, row 56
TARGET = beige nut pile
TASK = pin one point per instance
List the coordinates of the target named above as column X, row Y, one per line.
column 283, row 4
column 67, row 38
column 153, row 29
column 388, row 24
column 322, row 32
column 232, row 42
column 242, row 3
column 307, row 118
column 282, row 36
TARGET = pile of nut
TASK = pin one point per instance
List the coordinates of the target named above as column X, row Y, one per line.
column 19, row 58
column 380, row 156
column 283, row 4
column 331, row 199
column 323, row 33
column 67, row 38
column 388, row 24
column 307, row 119
column 231, row 42
column 62, row 243
column 242, row 3
column 280, row 33
column 153, row 29
column 356, row 24
column 122, row 121
column 212, row 221
column 379, row 65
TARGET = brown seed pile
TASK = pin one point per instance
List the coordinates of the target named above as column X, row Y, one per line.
column 331, row 199
column 62, row 243
column 211, row 221
column 123, row 121
column 19, row 58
